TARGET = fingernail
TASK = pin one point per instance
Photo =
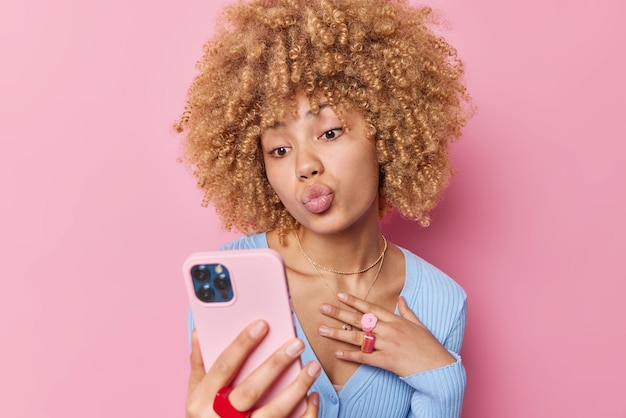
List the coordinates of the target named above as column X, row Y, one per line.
column 324, row 330
column 325, row 309
column 294, row 349
column 315, row 399
column 257, row 329
column 339, row 353
column 342, row 296
column 313, row 369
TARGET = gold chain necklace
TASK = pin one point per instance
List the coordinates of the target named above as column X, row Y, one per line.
column 380, row 259
column 332, row 270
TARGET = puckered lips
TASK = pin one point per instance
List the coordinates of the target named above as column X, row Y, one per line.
column 317, row 198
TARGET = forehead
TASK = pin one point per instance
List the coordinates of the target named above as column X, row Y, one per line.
column 295, row 108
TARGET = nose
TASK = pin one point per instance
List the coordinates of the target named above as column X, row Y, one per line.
column 308, row 163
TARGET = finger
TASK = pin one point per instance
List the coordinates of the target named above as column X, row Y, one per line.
column 347, row 317
column 372, row 359
column 228, row 363
column 203, row 386
column 406, row 312
column 365, row 307
column 313, row 406
column 284, row 403
column 350, row 337
column 252, row 388
column 197, row 365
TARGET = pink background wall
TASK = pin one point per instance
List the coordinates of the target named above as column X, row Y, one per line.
column 97, row 216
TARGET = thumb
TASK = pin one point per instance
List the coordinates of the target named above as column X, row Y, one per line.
column 312, row 407
column 197, row 364
column 406, row 312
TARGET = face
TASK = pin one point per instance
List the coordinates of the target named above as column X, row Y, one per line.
column 323, row 169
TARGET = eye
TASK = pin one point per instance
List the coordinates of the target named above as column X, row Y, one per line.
column 279, row 152
column 332, row 134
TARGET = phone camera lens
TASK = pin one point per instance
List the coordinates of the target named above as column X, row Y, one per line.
column 206, row 294
column 221, row 283
column 200, row 275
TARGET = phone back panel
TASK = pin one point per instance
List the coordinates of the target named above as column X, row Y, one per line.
column 258, row 290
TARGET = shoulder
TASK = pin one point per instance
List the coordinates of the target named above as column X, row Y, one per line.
column 436, row 299
column 425, row 282
column 246, row 242
column 426, row 279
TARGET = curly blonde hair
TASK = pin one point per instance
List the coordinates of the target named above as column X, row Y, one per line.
column 379, row 57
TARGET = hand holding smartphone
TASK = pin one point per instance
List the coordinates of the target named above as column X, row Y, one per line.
column 227, row 290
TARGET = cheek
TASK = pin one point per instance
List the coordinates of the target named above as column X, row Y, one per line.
column 371, row 171
column 277, row 181
column 271, row 179
column 270, row 169
column 367, row 163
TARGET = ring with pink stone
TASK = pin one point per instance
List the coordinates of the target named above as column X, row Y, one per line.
column 368, row 322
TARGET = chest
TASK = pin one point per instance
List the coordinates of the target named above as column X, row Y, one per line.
column 308, row 294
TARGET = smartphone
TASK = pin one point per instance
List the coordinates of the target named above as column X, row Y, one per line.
column 227, row 290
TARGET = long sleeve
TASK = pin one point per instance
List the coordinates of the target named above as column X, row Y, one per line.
column 439, row 392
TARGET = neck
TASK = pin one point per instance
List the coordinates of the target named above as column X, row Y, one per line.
column 345, row 252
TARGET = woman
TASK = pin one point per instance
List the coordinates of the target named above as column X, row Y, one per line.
column 309, row 121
